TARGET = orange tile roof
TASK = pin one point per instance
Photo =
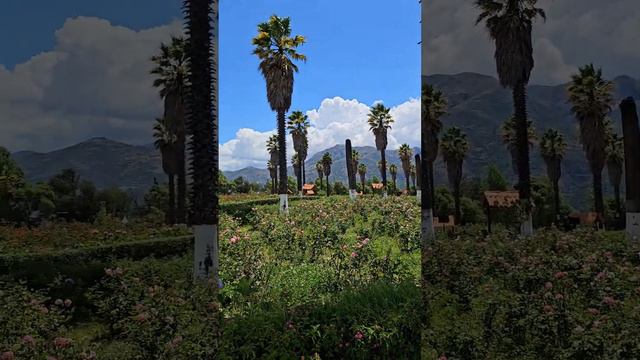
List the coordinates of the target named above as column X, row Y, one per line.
column 377, row 186
column 501, row 199
column 309, row 187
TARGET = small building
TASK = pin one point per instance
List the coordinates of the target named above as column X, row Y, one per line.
column 377, row 187
column 499, row 200
column 309, row 190
column 586, row 218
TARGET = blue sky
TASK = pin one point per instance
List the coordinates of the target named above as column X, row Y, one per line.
column 356, row 49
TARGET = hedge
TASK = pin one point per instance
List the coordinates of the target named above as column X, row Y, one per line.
column 242, row 209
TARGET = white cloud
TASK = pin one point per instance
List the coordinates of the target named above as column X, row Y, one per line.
column 334, row 121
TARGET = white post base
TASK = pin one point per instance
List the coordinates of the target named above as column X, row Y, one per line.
column 384, row 194
column 205, row 253
column 633, row 226
column 419, row 196
column 526, row 228
column 352, row 194
column 428, row 232
column 284, row 204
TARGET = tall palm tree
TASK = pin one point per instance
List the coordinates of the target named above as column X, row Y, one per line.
column 202, row 120
column 393, row 170
column 510, row 139
column 297, row 169
column 380, row 121
column 362, row 171
column 406, row 154
column 591, row 98
column 454, row 146
column 320, row 170
column 272, row 148
column 298, row 124
column 412, row 173
column 165, row 141
column 355, row 162
column 171, row 70
column 326, row 169
column 273, row 173
column 615, row 163
column 510, row 24
column 434, row 107
column 276, row 49
column 382, row 168
column 552, row 149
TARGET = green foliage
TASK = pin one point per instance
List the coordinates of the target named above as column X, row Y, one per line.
column 338, row 188
column 495, row 180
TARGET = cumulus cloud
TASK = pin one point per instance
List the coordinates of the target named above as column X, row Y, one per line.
column 334, row 121
column 576, row 32
column 94, row 81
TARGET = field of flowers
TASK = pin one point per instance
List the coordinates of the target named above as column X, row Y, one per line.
column 334, row 279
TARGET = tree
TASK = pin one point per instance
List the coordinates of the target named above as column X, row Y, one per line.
column 165, row 141
column 276, row 49
column 296, row 162
column 380, row 121
column 171, row 71
column 11, row 179
column 510, row 24
column 510, row 139
column 405, row 153
column 615, row 163
column 495, row 180
column 65, row 186
column 298, row 125
column 320, row 170
column 434, row 107
column 273, row 174
column 202, row 120
column 393, row 170
column 355, row 161
column 412, row 174
column 591, row 100
column 362, row 171
column 326, row 169
column 552, row 149
column 273, row 149
column 454, row 148
column 382, row 169
column 157, row 197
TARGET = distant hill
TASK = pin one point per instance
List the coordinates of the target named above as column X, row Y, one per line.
column 477, row 104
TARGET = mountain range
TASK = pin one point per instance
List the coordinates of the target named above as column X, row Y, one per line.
column 477, row 104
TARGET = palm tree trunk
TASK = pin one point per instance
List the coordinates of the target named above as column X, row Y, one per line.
column 456, row 199
column 181, row 215
column 299, row 177
column 616, row 191
column 328, row 187
column 304, row 175
column 597, row 193
column 406, row 178
column 384, row 170
column 171, row 215
column 431, row 185
column 362, row 181
column 524, row 176
column 556, row 198
column 282, row 162
column 321, row 183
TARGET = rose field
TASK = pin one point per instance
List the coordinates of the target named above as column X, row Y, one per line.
column 333, row 279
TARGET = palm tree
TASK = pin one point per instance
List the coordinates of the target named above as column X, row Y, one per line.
column 509, row 138
column 202, row 120
column 320, row 170
column 165, row 141
column 171, row 70
column 591, row 98
column 380, row 121
column 298, row 124
column 273, row 173
column 295, row 162
column 355, row 162
column 615, row 163
column 272, row 148
column 276, row 49
column 382, row 168
column 406, row 153
column 412, row 173
column 510, row 24
column 454, row 147
column 552, row 149
column 393, row 170
column 326, row 169
column 434, row 107
column 362, row 171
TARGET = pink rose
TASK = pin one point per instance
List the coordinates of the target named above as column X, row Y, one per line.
column 61, row 342
column 7, row 355
column 601, row 275
column 548, row 285
column 365, row 241
column 233, row 240
column 548, row 309
column 28, row 340
column 561, row 274
column 354, row 254
column 67, row 303
column 593, row 311
column 608, row 300
column 358, row 336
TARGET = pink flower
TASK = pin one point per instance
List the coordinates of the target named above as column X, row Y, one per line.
column 142, row 317
column 560, row 274
column 59, row 302
column 548, row 309
column 109, row 272
column 359, row 335
column 365, row 241
column 442, row 357
column 593, row 311
column 7, row 355
column 548, row 285
column 608, row 300
column 175, row 342
column 27, row 340
column 67, row 303
column 559, row 297
column 61, row 342
column 290, row 325
column 354, row 254
column 233, row 240
column 601, row 275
